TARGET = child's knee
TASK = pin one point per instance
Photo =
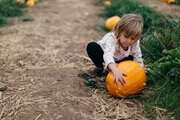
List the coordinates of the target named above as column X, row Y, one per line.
column 91, row 46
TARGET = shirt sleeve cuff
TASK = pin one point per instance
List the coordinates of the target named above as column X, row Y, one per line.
column 107, row 63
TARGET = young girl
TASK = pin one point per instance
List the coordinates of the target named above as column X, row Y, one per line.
column 122, row 43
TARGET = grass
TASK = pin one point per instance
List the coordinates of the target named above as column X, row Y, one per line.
column 177, row 2
column 27, row 19
column 2, row 21
column 160, row 47
column 10, row 8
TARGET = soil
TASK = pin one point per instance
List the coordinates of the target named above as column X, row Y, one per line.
column 163, row 7
column 40, row 61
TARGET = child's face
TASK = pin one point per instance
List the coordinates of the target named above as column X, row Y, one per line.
column 125, row 41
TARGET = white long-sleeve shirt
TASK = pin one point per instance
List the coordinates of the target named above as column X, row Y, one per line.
column 114, row 52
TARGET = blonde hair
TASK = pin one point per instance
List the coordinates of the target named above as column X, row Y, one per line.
column 131, row 25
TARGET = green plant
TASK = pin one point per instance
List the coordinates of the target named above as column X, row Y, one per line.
column 88, row 80
column 2, row 21
column 27, row 19
column 163, row 38
column 11, row 8
column 165, row 79
column 178, row 2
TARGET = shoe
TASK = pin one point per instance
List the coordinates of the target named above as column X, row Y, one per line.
column 105, row 73
column 96, row 72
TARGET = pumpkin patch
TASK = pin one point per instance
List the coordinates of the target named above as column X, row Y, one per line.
column 135, row 80
column 29, row 3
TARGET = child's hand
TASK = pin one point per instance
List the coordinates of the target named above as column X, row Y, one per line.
column 118, row 76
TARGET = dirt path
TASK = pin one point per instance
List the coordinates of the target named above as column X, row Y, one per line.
column 163, row 7
column 40, row 61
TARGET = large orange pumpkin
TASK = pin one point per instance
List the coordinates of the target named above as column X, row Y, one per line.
column 111, row 22
column 135, row 80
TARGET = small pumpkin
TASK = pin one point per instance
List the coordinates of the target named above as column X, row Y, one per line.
column 107, row 3
column 171, row 1
column 111, row 22
column 164, row 0
column 135, row 80
column 30, row 3
column 21, row 1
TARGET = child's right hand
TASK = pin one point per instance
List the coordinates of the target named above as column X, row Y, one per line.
column 118, row 76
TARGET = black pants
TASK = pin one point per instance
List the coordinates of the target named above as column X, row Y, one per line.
column 95, row 52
